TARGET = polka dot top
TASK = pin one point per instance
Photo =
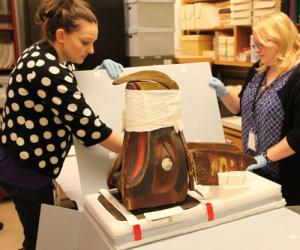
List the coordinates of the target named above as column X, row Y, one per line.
column 44, row 108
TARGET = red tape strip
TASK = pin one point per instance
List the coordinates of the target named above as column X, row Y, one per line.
column 137, row 232
column 210, row 211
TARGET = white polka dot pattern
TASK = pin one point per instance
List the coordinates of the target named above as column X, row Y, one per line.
column 69, row 118
column 98, row 122
column 22, row 92
column 77, row 95
column 61, row 133
column 53, row 159
column 35, row 54
column 50, row 147
column 13, row 136
column 57, row 120
column 38, row 108
column 21, row 120
column 69, row 79
column 38, row 151
column 11, row 93
column 56, row 100
column 29, row 104
column 3, row 139
column 84, row 121
column 19, row 78
column 50, row 56
column 72, row 107
column 80, row 133
column 62, row 89
column 42, row 164
column 24, row 155
column 20, row 65
column 41, row 93
column 47, row 135
column 43, row 121
column 10, row 123
column 40, row 63
column 87, row 112
column 34, row 138
column 20, row 141
column 29, row 124
column 56, row 171
column 96, row 135
column 44, row 108
column 30, row 64
column 54, row 70
column 63, row 145
column 15, row 107
column 46, row 81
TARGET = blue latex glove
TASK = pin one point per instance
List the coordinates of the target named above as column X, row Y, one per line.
column 261, row 161
column 220, row 88
column 114, row 69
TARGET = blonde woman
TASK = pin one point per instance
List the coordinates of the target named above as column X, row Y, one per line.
column 270, row 104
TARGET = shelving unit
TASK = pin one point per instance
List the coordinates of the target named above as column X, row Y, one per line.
column 8, row 37
column 240, row 36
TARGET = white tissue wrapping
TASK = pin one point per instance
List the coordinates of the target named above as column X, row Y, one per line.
column 148, row 110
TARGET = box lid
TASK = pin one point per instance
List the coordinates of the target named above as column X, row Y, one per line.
column 263, row 4
column 233, row 122
column 135, row 30
column 239, row 1
column 148, row 1
column 241, row 14
column 196, row 37
column 241, row 6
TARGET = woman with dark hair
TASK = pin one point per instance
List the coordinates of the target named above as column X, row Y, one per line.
column 44, row 109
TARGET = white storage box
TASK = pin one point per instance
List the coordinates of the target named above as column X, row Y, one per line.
column 264, row 4
column 145, row 41
column 219, row 204
column 206, row 15
column 241, row 14
column 230, row 40
column 190, row 18
column 241, row 6
column 137, row 61
column 149, row 13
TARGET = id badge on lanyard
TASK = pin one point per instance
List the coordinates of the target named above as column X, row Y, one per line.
column 252, row 139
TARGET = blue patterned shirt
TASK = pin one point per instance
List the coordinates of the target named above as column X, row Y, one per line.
column 262, row 112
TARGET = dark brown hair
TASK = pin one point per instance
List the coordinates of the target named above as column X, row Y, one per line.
column 54, row 14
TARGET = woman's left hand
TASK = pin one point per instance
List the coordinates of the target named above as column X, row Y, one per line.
column 113, row 69
column 261, row 162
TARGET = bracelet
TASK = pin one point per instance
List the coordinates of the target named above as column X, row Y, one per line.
column 266, row 157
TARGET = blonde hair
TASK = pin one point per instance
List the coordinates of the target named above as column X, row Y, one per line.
column 278, row 31
column 54, row 14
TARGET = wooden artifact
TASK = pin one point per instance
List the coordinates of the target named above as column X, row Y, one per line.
column 157, row 167
column 152, row 169
column 209, row 159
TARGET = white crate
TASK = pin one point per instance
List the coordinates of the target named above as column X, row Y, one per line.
column 149, row 13
column 145, row 41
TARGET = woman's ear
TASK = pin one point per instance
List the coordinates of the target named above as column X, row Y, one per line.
column 60, row 35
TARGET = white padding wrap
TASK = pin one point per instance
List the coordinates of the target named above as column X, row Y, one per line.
column 148, row 110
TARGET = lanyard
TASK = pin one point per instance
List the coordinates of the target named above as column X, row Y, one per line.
column 258, row 88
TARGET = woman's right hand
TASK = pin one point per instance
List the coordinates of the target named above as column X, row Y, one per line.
column 219, row 86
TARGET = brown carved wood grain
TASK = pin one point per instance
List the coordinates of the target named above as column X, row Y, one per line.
column 152, row 169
